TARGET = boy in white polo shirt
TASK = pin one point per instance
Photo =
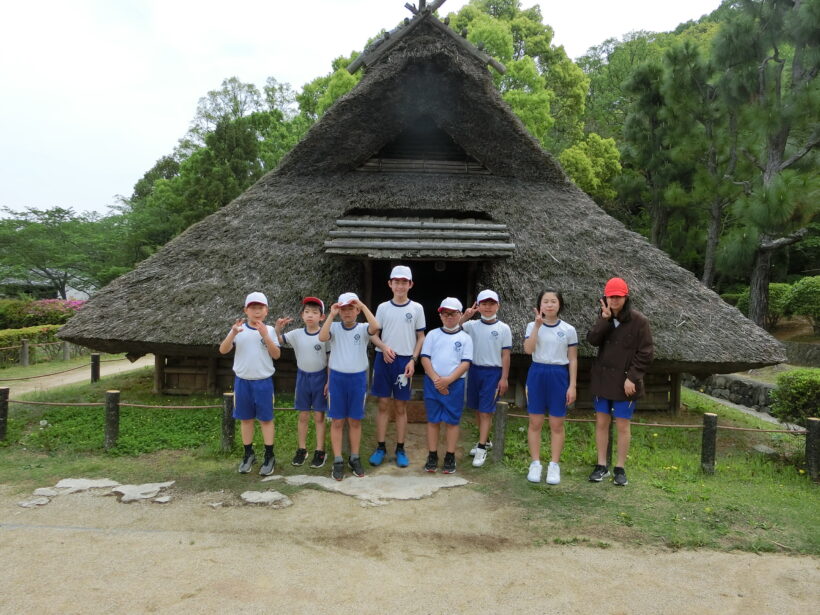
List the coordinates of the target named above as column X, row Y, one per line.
column 256, row 347
column 311, row 377
column 487, row 377
column 402, row 325
column 348, row 376
column 446, row 355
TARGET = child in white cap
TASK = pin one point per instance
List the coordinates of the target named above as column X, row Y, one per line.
column 446, row 355
column 256, row 347
column 347, row 384
column 490, row 369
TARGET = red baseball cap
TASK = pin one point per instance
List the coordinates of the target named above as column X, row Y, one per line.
column 616, row 287
column 316, row 301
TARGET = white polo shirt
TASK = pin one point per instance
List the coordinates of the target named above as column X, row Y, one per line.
column 446, row 351
column 348, row 348
column 399, row 325
column 553, row 342
column 311, row 354
column 251, row 360
column 489, row 339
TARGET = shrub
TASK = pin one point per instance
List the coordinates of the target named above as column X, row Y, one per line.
column 804, row 300
column 13, row 313
column 778, row 293
column 797, row 396
column 11, row 338
column 52, row 311
column 731, row 298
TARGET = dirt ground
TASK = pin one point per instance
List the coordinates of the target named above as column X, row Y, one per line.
column 459, row 551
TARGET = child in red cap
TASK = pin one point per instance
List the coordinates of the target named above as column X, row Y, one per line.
column 625, row 349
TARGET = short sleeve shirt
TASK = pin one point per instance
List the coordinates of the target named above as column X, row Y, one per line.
column 489, row 339
column 348, row 348
column 446, row 351
column 311, row 354
column 251, row 360
column 553, row 342
column 399, row 325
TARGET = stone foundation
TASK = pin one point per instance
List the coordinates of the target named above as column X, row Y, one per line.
column 733, row 388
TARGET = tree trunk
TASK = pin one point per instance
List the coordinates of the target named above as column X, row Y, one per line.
column 713, row 233
column 660, row 220
column 759, row 287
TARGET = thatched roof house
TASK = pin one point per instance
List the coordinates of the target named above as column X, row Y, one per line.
column 422, row 163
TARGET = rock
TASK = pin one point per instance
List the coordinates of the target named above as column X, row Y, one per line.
column 38, row 501
column 162, row 499
column 764, row 450
column 49, row 492
column 215, row 505
column 133, row 493
column 72, row 485
column 271, row 498
column 375, row 490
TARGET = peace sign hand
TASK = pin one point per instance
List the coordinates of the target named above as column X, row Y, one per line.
column 606, row 312
column 236, row 328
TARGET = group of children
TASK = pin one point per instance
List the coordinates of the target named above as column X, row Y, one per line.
column 332, row 366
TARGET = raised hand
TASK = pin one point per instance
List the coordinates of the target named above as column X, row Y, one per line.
column 281, row 323
column 539, row 320
column 236, row 328
column 470, row 312
column 606, row 312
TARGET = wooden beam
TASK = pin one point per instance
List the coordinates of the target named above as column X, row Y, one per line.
column 419, row 234
column 388, row 42
column 422, row 245
column 464, row 226
column 470, row 48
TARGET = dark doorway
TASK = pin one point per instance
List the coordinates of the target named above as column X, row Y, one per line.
column 432, row 282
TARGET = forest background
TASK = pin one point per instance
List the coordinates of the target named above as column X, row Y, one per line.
column 703, row 139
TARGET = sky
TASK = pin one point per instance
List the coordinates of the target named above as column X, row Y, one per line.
column 96, row 91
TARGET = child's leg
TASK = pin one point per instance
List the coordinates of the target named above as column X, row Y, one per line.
column 336, row 429
column 602, row 421
column 534, row 436
column 400, row 407
column 354, row 434
column 557, row 436
column 432, row 437
column 451, row 437
column 319, row 424
column 485, row 420
column 247, row 429
column 624, row 438
column 267, row 432
column 302, row 428
column 383, row 418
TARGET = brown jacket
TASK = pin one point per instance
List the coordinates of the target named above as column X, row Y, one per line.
column 624, row 352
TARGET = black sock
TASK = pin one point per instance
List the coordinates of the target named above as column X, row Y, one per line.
column 268, row 451
column 382, row 446
column 484, row 446
column 449, row 457
column 248, row 450
column 399, row 446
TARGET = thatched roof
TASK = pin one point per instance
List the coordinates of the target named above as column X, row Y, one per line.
column 271, row 238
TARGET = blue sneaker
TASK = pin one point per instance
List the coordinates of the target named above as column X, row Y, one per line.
column 377, row 457
column 401, row 459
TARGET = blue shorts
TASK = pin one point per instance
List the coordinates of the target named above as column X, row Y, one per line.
column 386, row 377
column 310, row 391
column 347, row 393
column 621, row 409
column 482, row 387
column 253, row 399
column 444, row 408
column 547, row 389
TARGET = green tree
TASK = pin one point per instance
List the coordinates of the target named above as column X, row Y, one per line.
column 769, row 53
column 593, row 164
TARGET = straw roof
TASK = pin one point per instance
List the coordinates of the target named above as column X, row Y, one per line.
column 271, row 238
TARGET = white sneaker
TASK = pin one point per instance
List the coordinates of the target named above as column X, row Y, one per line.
column 489, row 446
column 553, row 473
column 480, row 457
column 534, row 475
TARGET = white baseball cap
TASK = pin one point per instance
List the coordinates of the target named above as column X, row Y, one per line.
column 451, row 303
column 401, row 272
column 485, row 295
column 256, row 298
column 347, row 298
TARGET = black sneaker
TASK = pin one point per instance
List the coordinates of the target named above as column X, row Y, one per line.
column 299, row 457
column 267, row 466
column 319, row 458
column 432, row 462
column 247, row 464
column 449, row 466
column 598, row 474
column 356, row 466
column 338, row 470
column 620, row 477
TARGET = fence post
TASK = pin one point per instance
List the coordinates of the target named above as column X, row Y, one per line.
column 112, row 419
column 4, row 411
column 499, row 430
column 66, row 352
column 812, row 448
column 95, row 367
column 709, row 443
column 24, row 353
column 228, row 423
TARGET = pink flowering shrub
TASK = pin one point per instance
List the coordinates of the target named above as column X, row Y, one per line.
column 52, row 311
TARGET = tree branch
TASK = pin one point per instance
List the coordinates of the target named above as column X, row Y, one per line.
column 780, row 242
column 814, row 139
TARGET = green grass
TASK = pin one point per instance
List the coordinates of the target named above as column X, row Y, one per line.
column 752, row 503
column 49, row 367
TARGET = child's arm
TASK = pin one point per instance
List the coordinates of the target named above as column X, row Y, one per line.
column 468, row 313
column 373, row 324
column 280, row 326
column 324, row 332
column 273, row 349
column 410, row 368
column 427, row 364
column 227, row 344
column 572, row 355
column 388, row 353
column 597, row 334
column 531, row 342
column 457, row 373
column 503, row 384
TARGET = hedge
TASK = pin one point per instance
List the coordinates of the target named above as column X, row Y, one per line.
column 10, row 338
column 797, row 396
